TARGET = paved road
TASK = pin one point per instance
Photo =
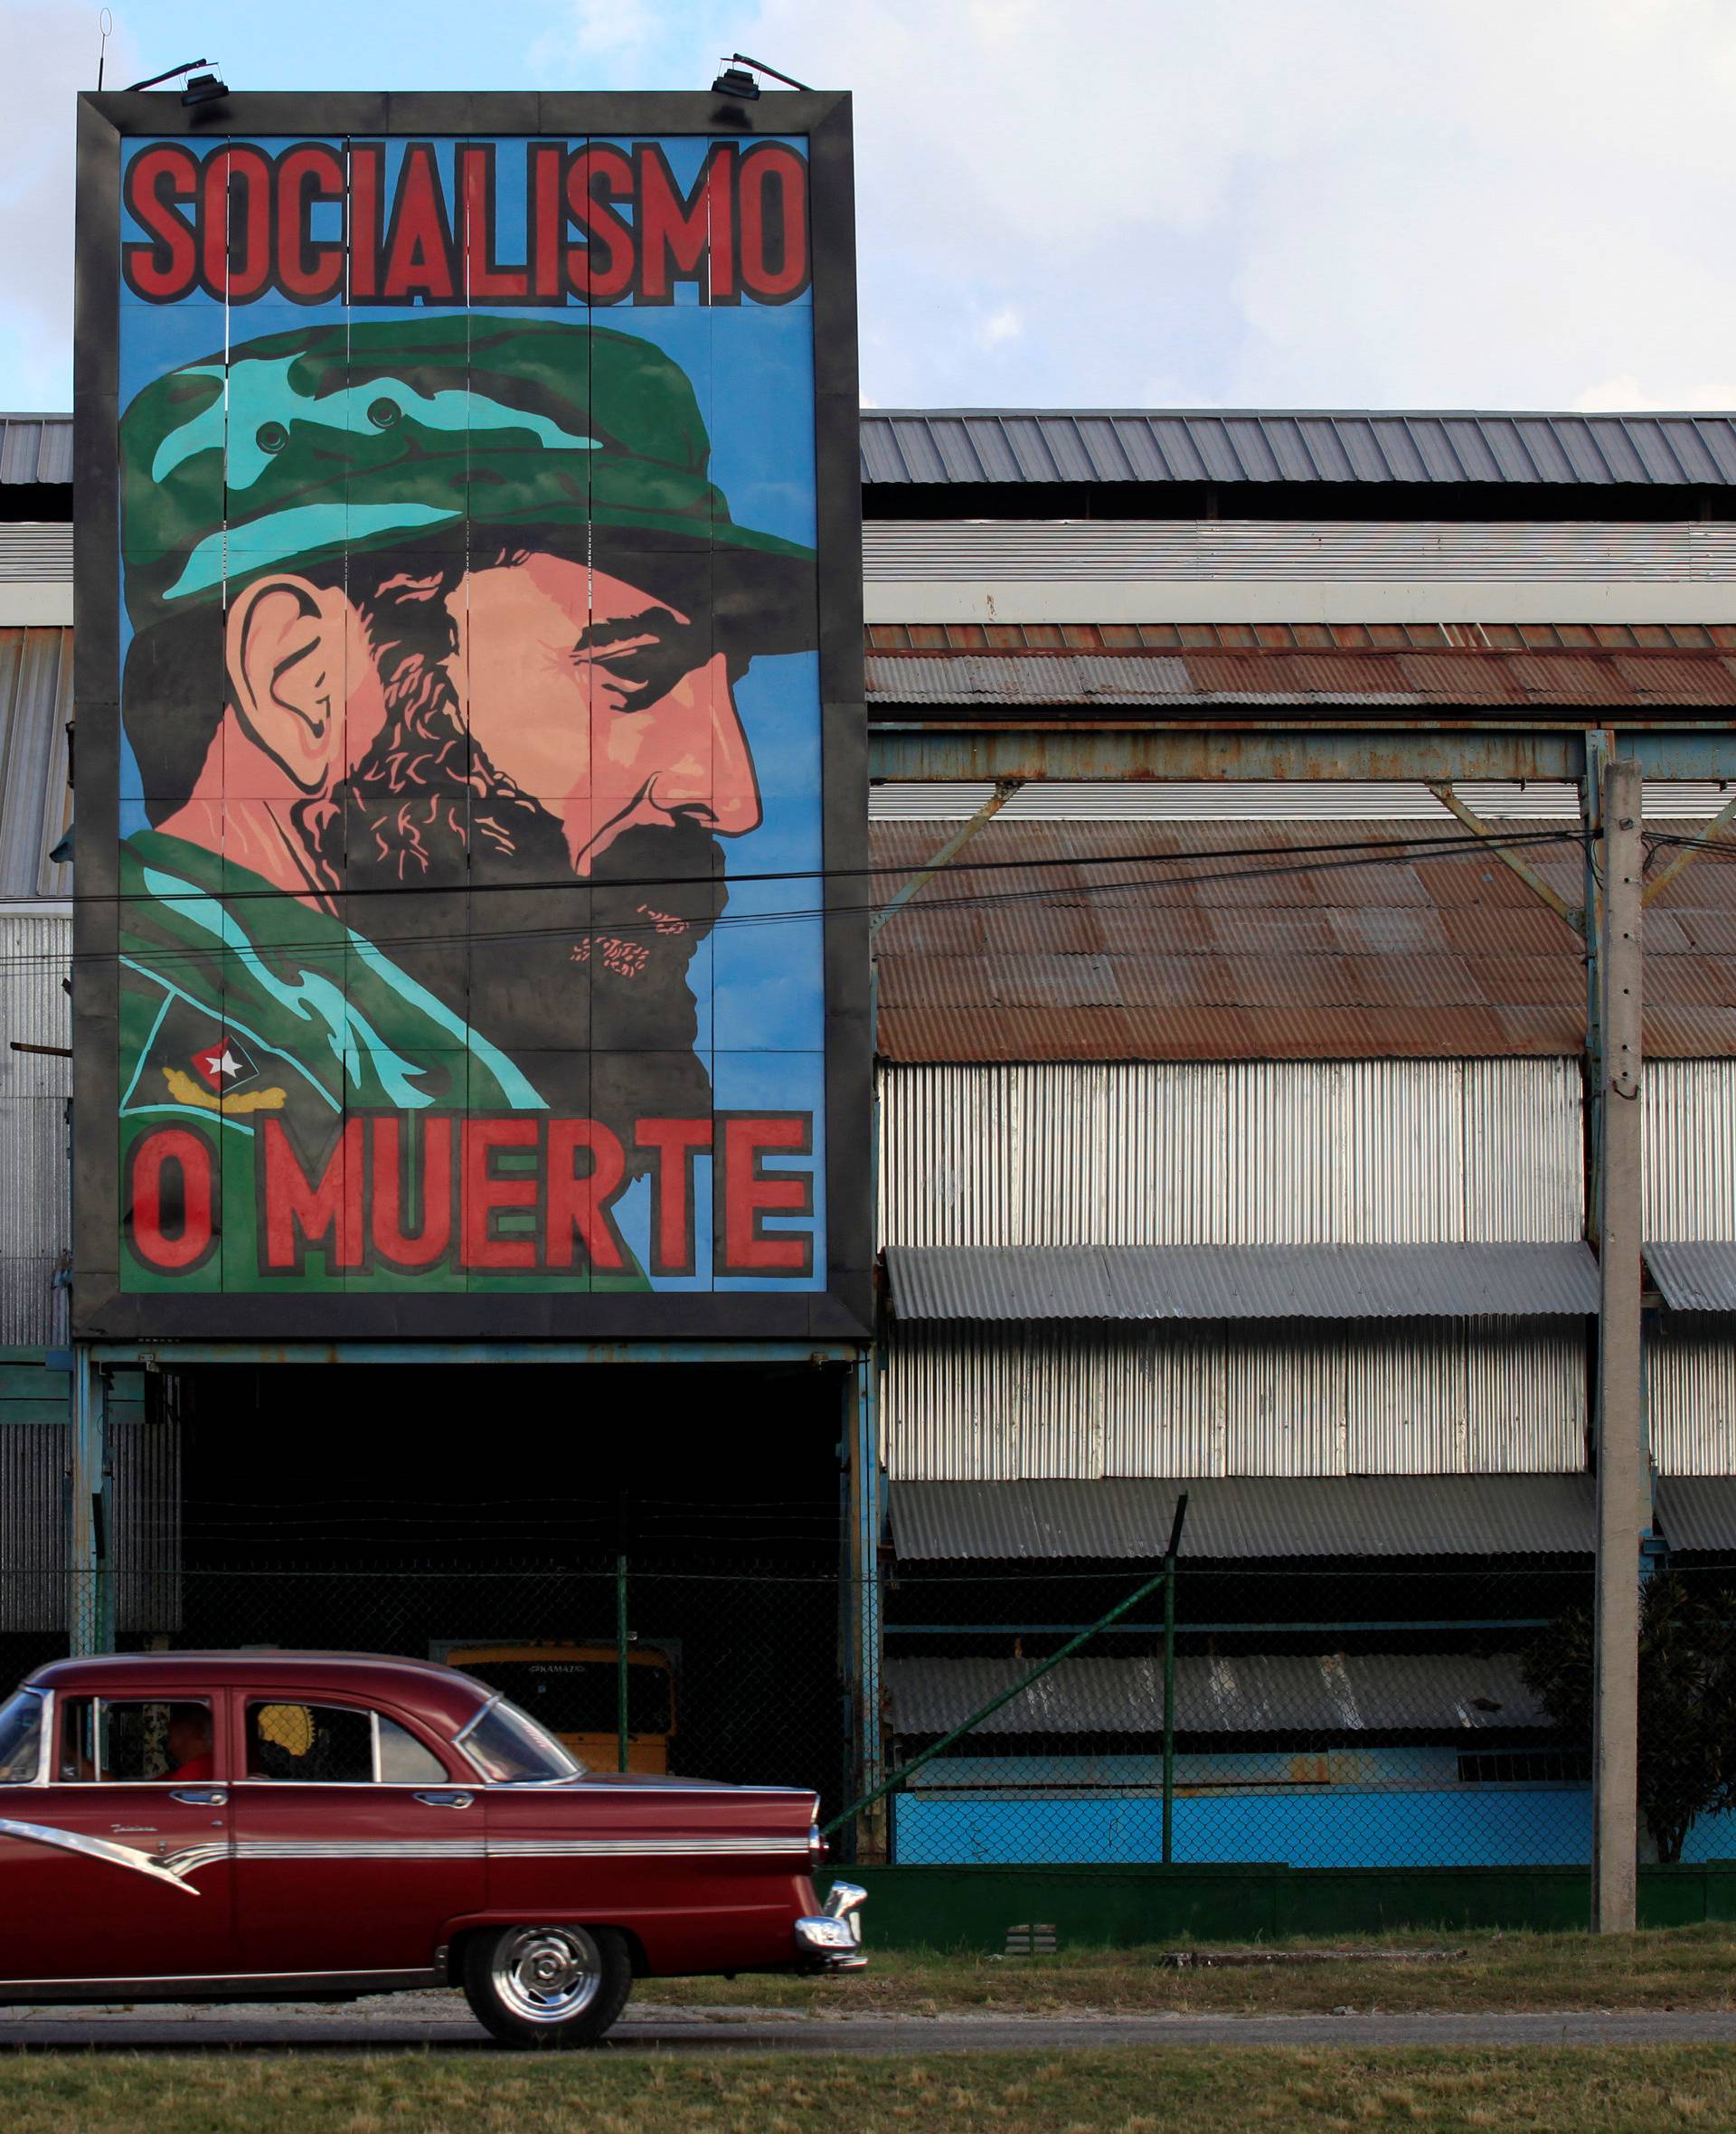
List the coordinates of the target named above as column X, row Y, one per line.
column 442, row 2020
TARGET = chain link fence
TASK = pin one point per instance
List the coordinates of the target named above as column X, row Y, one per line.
column 1357, row 1715
column 1320, row 1717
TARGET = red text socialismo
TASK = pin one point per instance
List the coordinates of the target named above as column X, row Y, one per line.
column 597, row 223
column 499, row 1194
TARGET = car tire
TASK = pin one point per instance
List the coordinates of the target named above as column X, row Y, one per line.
column 546, row 1987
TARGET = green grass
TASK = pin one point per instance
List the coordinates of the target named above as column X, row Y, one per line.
column 1682, row 1968
column 1134, row 2091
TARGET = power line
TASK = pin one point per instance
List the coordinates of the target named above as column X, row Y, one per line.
column 1360, row 853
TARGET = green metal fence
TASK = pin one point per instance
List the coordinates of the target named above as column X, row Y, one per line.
column 1356, row 1716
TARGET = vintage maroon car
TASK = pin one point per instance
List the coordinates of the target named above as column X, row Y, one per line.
column 281, row 1825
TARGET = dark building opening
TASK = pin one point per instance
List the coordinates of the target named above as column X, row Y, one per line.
column 499, row 1517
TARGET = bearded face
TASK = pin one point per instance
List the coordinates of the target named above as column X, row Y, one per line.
column 435, row 856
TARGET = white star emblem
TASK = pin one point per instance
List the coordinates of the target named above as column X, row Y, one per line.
column 223, row 1063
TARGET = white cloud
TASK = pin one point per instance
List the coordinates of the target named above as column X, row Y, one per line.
column 590, row 28
column 1627, row 392
column 1004, row 324
column 1342, row 201
column 51, row 53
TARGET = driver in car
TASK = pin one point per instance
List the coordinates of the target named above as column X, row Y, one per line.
column 189, row 1744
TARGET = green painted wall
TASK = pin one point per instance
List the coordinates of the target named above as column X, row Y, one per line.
column 971, row 1908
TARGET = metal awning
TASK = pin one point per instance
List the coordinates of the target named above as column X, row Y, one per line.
column 1243, row 1518
column 1248, row 1692
column 1698, row 1513
column 1144, row 1282
column 1694, row 1274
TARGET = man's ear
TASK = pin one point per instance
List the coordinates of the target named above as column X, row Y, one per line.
column 285, row 642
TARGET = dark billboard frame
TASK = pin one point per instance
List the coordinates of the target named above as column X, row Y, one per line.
column 100, row 1308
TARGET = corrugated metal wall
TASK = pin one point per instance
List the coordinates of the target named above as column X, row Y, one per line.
column 145, row 1505
column 1248, row 551
column 1311, row 1152
column 1431, row 1397
column 1691, row 1395
column 35, row 1216
column 1690, row 1148
column 36, row 801
column 32, row 1527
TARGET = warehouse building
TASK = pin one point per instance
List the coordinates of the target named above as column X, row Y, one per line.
column 1232, row 1126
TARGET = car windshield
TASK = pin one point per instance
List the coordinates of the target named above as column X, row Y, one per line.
column 507, row 1743
column 21, row 1733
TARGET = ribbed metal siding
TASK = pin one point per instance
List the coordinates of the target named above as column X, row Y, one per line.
column 147, row 1497
column 1309, row 1152
column 1691, row 1395
column 35, row 1216
column 32, row 555
column 145, row 1507
column 32, row 1527
column 1003, row 552
column 35, row 802
column 1441, row 1397
column 1281, row 445
column 1690, row 1148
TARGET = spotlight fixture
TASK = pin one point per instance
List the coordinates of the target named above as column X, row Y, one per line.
column 736, row 82
column 203, row 89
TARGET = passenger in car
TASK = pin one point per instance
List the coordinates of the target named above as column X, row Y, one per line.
column 189, row 1743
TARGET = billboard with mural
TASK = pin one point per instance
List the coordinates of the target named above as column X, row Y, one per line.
column 469, row 742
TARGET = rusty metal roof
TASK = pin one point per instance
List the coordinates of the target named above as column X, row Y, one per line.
column 1267, row 941
column 1259, row 1693
column 1146, row 1282
column 35, row 449
column 1245, row 1518
column 1278, row 675
column 1448, row 448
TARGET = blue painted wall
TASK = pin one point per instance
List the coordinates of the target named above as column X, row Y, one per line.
column 1339, row 1826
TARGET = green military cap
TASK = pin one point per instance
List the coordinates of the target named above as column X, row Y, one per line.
column 303, row 446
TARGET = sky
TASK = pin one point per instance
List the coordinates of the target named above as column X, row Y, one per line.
column 1519, row 204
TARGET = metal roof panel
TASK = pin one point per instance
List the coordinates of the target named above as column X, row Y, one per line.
column 1245, row 1518
column 1381, row 446
column 1698, row 1513
column 1147, row 1282
column 1260, row 1693
column 1694, row 1274
column 35, row 449
column 1038, row 446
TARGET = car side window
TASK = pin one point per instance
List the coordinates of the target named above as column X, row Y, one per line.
column 406, row 1761
column 311, row 1744
column 123, row 1741
column 335, row 1745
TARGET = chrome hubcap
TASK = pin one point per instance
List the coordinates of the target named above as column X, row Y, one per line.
column 547, row 1974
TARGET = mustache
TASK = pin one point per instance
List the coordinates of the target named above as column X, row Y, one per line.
column 660, row 880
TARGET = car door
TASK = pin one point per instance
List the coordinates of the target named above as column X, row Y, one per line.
column 112, row 1865
column 354, row 1845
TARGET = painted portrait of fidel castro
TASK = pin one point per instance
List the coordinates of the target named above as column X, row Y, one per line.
column 437, row 625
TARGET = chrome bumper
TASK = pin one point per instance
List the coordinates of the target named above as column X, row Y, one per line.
column 830, row 1941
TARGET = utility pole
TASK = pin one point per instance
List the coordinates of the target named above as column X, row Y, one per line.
column 1621, row 1517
